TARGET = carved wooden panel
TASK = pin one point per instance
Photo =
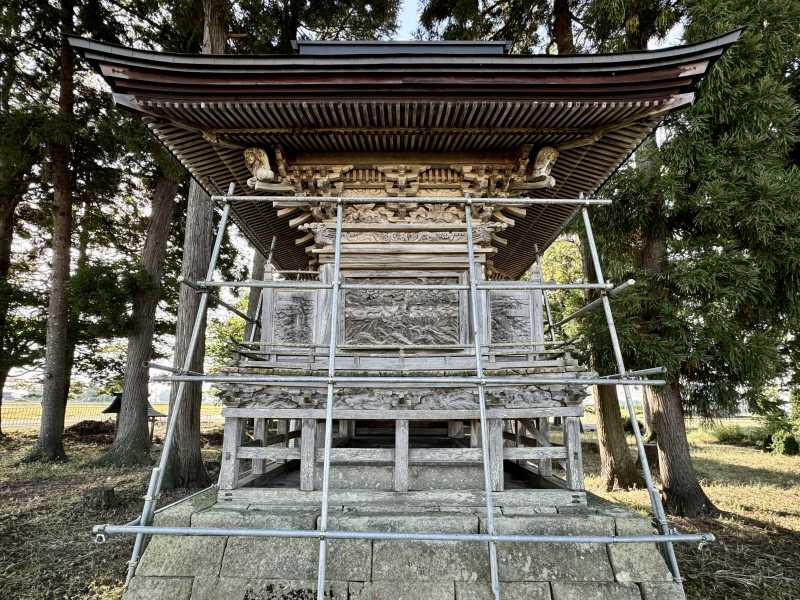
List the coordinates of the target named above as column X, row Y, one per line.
column 414, row 317
column 511, row 316
column 293, row 315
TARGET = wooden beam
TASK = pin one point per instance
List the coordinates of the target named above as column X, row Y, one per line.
column 229, row 465
column 401, row 455
column 307, row 454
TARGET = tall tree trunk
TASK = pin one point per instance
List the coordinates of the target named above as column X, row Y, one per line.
column 617, row 467
column 50, row 445
column 8, row 207
column 681, row 490
column 253, row 298
column 185, row 467
column 74, row 316
column 3, row 378
column 132, row 442
column 562, row 27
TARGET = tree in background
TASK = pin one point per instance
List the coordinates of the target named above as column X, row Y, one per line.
column 709, row 223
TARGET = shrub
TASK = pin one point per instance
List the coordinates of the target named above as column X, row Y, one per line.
column 785, row 442
column 736, row 435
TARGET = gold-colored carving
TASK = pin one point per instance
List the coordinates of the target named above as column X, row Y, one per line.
column 257, row 163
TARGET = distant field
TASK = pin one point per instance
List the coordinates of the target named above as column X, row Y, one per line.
column 23, row 416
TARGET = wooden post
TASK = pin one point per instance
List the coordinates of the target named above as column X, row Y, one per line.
column 308, row 452
column 282, row 428
column 572, row 442
column 474, row 434
column 545, row 464
column 455, row 429
column 401, row 455
column 229, row 466
column 259, row 434
column 495, row 432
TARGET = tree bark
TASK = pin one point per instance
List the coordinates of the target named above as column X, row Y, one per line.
column 681, row 490
column 50, row 445
column 132, row 441
column 3, row 378
column 617, row 467
column 256, row 274
column 562, row 27
column 185, row 467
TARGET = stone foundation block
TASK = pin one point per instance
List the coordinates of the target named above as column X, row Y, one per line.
column 539, row 590
column 662, row 591
column 270, row 518
column 429, row 561
column 401, row 591
column 595, row 591
column 159, row 588
column 180, row 514
column 439, row 522
column 528, row 561
column 295, row 558
column 229, row 588
column 637, row 562
column 182, row 556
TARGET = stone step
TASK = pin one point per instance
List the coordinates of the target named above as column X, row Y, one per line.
column 235, row 568
column 420, row 477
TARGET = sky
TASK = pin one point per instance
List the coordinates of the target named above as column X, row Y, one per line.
column 408, row 19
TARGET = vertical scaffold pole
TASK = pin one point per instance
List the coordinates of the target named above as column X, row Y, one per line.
column 157, row 474
column 326, row 460
column 655, row 498
column 478, row 341
column 550, row 325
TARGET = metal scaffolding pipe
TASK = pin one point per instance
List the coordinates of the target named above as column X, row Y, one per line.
column 356, row 381
column 485, row 454
column 487, row 285
column 546, row 302
column 413, row 200
column 655, row 497
column 102, row 530
column 595, row 303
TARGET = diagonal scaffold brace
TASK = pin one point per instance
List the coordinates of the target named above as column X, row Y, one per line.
column 157, row 474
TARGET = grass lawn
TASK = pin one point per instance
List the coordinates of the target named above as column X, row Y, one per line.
column 47, row 551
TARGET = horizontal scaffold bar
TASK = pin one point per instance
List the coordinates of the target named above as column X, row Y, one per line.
column 455, row 381
column 414, row 200
column 102, row 530
column 488, row 285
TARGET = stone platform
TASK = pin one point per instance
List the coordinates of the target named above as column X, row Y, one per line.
column 238, row 568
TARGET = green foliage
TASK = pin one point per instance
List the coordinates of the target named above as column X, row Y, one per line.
column 220, row 334
column 785, row 442
column 562, row 263
column 737, row 435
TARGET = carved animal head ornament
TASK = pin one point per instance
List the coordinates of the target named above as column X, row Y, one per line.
column 257, row 163
column 545, row 159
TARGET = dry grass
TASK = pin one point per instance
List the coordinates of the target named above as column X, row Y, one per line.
column 47, row 552
column 757, row 554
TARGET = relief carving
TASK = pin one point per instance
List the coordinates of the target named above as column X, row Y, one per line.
column 293, row 318
column 414, row 317
column 510, row 316
column 257, row 163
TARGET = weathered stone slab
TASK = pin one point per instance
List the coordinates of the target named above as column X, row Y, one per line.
column 159, row 588
column 449, row 477
column 255, row 517
column 637, row 562
column 538, row 590
column 180, row 514
column 219, row 588
column 439, row 522
column 182, row 556
column 429, row 561
column 528, row 511
column 357, row 477
column 662, row 591
column 529, row 561
column 395, row 590
column 231, row 588
column 595, row 591
column 295, row 558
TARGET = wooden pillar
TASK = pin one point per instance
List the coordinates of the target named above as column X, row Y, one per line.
column 455, row 429
column 260, row 435
column 401, row 455
column 308, row 454
column 545, row 464
column 474, row 434
column 229, row 466
column 495, row 433
column 574, row 463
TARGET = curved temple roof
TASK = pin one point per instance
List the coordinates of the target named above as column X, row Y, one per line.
column 596, row 109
